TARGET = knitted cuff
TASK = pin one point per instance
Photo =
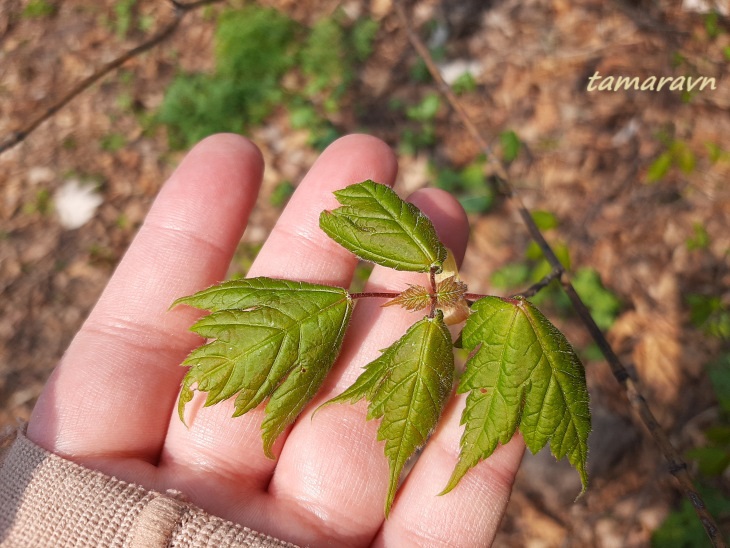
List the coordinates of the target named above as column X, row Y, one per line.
column 48, row 501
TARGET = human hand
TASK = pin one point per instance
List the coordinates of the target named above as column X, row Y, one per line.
column 111, row 402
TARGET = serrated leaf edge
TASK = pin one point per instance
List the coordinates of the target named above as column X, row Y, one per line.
column 368, row 185
column 458, row 473
column 186, row 392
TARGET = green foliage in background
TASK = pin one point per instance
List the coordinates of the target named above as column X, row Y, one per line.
column 464, row 84
column 719, row 373
column 420, row 129
column 329, row 59
column 715, row 153
column 511, row 276
column 42, row 203
column 700, row 238
column 469, row 184
column 124, row 16
column 602, row 303
column 253, row 51
column 534, row 266
column 281, row 194
column 37, row 9
column 681, row 528
column 255, row 48
column 678, row 154
column 112, row 142
column 243, row 258
column 329, row 56
column 708, row 313
column 712, row 26
column 511, row 146
column 545, row 221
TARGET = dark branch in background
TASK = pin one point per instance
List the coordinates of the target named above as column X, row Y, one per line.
column 179, row 11
column 677, row 467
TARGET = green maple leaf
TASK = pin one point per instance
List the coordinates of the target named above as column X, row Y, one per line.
column 407, row 386
column 273, row 338
column 524, row 374
column 376, row 225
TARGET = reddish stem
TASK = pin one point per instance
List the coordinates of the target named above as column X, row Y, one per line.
column 374, row 294
column 432, row 277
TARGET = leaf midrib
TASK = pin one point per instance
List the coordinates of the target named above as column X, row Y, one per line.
column 429, row 325
column 567, row 411
column 483, row 431
column 216, row 290
column 367, row 251
column 422, row 245
column 283, row 332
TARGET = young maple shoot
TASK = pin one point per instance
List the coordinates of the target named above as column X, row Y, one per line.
column 277, row 340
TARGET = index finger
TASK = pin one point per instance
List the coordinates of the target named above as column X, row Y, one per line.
column 112, row 393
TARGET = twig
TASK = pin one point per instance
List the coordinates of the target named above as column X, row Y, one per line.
column 677, row 467
column 447, row 92
column 535, row 288
column 180, row 9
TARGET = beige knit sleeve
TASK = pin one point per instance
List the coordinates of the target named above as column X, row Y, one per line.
column 47, row 501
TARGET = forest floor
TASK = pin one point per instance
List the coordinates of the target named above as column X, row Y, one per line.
column 634, row 185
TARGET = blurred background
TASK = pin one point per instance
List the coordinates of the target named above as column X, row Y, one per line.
column 630, row 187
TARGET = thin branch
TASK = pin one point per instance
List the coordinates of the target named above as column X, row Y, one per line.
column 535, row 288
column 179, row 11
column 447, row 92
column 677, row 467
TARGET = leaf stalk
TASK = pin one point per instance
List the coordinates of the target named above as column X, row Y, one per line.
column 374, row 295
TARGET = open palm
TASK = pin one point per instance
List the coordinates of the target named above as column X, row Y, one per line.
column 111, row 403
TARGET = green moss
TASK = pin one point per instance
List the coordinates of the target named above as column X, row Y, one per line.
column 37, row 9
column 123, row 16
column 252, row 54
column 113, row 142
column 255, row 47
